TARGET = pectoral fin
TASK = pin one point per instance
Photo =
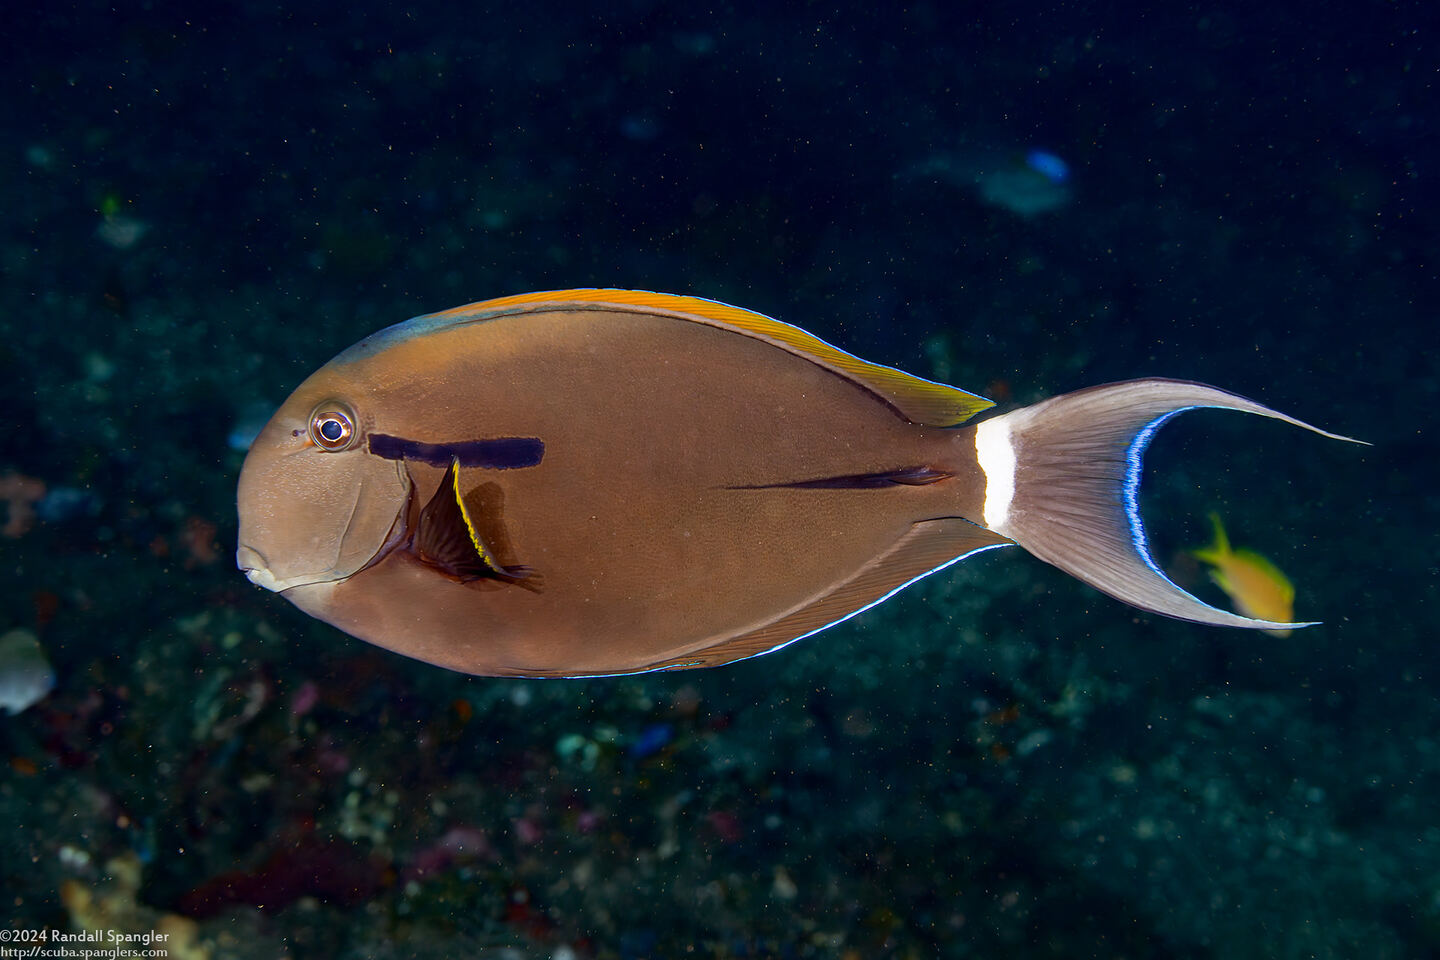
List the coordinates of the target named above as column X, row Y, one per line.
column 449, row 538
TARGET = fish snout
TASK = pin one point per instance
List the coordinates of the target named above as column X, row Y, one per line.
column 256, row 570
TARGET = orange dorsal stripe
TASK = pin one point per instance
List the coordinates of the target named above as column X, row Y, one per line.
column 919, row 400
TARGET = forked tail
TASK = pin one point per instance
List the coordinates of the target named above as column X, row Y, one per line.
column 1062, row 479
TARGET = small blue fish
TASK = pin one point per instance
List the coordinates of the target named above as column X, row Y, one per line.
column 1039, row 184
column 1048, row 165
column 651, row 740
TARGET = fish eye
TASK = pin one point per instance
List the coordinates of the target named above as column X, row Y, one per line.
column 332, row 426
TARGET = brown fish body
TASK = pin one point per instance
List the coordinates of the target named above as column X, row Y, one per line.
column 691, row 491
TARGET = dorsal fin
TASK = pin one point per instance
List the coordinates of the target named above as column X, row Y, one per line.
column 915, row 398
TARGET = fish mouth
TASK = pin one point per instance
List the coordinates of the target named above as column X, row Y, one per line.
column 256, row 568
column 252, row 563
column 262, row 577
column 258, row 571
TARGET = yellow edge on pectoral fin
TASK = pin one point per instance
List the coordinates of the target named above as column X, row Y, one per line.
column 486, row 557
column 447, row 538
column 917, row 399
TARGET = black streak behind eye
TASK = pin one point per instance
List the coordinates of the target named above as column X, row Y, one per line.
column 499, row 453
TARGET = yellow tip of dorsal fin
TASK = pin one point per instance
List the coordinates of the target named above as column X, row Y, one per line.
column 1217, row 551
column 915, row 398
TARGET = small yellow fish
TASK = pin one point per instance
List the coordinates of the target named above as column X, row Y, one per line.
column 1255, row 586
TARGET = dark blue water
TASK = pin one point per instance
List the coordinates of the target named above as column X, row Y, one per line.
column 203, row 206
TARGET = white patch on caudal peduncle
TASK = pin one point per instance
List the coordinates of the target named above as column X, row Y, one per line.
column 996, row 455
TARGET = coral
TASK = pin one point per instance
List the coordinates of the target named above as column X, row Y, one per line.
column 111, row 913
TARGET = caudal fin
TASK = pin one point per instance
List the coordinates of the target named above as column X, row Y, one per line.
column 1062, row 478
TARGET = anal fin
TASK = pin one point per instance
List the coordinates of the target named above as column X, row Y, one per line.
column 928, row 546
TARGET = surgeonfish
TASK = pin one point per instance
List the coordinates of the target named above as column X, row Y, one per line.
column 1255, row 586
column 593, row 482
